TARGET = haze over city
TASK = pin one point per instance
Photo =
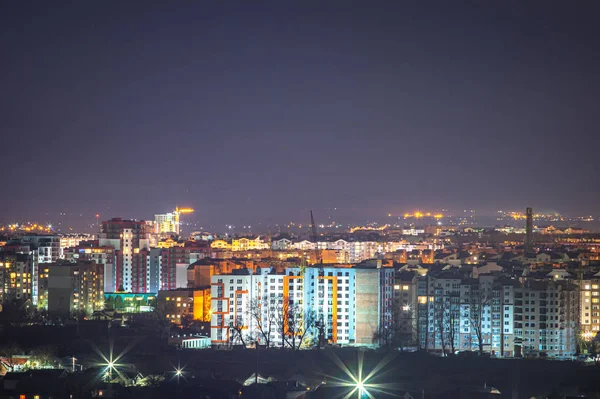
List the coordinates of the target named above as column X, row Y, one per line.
column 299, row 200
column 257, row 112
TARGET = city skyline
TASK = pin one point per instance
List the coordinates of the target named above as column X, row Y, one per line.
column 125, row 110
column 329, row 219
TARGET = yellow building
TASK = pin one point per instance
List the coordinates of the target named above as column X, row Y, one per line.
column 248, row 244
column 169, row 243
column 220, row 244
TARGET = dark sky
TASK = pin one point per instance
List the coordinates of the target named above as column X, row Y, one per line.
column 256, row 110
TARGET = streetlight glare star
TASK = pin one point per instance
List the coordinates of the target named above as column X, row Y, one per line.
column 356, row 383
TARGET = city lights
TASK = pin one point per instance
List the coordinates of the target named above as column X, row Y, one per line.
column 359, row 386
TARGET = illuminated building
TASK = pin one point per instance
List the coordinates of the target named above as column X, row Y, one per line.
column 413, row 231
column 282, row 244
column 168, row 243
column 75, row 289
column 546, row 318
column 130, row 240
column 169, row 222
column 200, row 272
column 248, row 244
column 241, row 244
column 232, row 298
column 175, row 262
column 91, row 251
column 220, row 244
column 193, row 303
column 352, row 303
column 166, row 223
column 505, row 317
column 73, row 240
column 15, row 277
column 405, row 308
column 590, row 304
column 45, row 249
column 129, row 302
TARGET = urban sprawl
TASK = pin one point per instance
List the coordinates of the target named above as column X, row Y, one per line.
column 532, row 291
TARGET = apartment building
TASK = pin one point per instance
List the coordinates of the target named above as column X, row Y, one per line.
column 75, row 289
column 350, row 304
column 495, row 314
column 590, row 304
column 16, row 279
column 546, row 317
column 178, row 304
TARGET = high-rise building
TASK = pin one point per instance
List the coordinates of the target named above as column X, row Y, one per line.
column 546, row 318
column 45, row 249
column 529, row 230
column 175, row 261
column 129, row 238
column 75, row 289
column 92, row 251
column 16, row 279
column 166, row 223
column 590, row 304
column 338, row 305
column 501, row 316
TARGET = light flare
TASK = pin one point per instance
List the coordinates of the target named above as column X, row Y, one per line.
column 359, row 386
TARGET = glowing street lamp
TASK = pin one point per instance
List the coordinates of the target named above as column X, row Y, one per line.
column 361, row 387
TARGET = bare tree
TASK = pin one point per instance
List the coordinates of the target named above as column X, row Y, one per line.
column 441, row 320
column 8, row 353
column 321, row 328
column 300, row 324
column 453, row 324
column 236, row 335
column 263, row 313
column 479, row 301
column 404, row 327
column 163, row 324
column 293, row 323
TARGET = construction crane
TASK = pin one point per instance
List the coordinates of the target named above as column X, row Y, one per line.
column 178, row 213
column 315, row 238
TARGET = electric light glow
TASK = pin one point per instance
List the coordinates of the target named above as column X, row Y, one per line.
column 360, row 386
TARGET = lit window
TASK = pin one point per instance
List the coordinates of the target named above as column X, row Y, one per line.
column 405, row 288
column 422, row 300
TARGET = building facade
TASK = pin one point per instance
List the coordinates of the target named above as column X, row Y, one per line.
column 346, row 306
column 75, row 289
column 130, row 240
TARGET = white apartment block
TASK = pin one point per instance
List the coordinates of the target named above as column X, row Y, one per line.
column 331, row 296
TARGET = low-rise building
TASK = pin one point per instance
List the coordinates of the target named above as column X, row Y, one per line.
column 180, row 304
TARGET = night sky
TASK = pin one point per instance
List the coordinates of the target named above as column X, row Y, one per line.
column 258, row 111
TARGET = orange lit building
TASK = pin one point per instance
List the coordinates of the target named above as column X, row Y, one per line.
column 179, row 303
